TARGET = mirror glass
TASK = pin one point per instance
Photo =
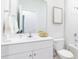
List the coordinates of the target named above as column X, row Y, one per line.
column 32, row 16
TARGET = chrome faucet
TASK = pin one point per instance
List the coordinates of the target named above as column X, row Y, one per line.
column 30, row 35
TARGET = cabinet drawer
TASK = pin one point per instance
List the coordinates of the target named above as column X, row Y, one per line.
column 18, row 48
column 42, row 44
column 25, row 55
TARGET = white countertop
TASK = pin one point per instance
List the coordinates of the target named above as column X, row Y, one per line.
column 22, row 38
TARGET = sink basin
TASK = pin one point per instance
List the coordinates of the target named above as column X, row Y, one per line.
column 6, row 41
column 22, row 38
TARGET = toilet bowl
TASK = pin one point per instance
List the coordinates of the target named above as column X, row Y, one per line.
column 61, row 52
column 65, row 54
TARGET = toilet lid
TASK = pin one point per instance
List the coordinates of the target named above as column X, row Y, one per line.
column 65, row 53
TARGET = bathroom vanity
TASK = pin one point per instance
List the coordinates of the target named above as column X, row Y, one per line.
column 29, row 48
column 25, row 16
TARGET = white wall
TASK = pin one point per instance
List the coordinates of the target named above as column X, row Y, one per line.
column 55, row 30
column 71, row 20
column 2, row 15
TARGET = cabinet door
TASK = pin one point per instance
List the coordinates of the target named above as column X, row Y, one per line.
column 46, row 53
column 27, row 55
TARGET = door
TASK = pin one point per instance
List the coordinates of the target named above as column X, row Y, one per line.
column 27, row 55
column 30, row 21
column 46, row 53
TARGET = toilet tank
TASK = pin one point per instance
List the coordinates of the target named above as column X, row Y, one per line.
column 59, row 43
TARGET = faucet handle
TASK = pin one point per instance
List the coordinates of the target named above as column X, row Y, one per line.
column 30, row 35
column 76, row 40
column 75, row 34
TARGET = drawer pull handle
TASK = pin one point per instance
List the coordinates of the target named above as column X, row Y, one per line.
column 34, row 54
column 30, row 55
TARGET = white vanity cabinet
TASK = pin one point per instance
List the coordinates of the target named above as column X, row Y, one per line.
column 30, row 50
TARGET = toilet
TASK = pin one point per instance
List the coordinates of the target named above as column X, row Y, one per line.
column 61, row 52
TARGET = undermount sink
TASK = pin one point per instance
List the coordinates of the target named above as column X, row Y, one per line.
column 22, row 38
column 6, row 41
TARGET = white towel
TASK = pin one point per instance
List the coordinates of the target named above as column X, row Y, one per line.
column 11, row 24
column 7, row 23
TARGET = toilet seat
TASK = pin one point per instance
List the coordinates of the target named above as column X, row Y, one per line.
column 65, row 53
